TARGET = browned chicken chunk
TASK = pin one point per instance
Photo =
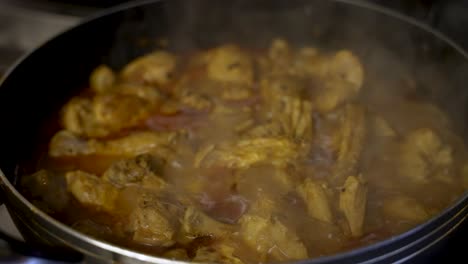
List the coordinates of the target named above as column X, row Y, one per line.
column 424, row 157
column 243, row 154
column 90, row 190
column 143, row 170
column 342, row 138
column 151, row 222
column 271, row 239
column 156, row 68
column 353, row 200
column 196, row 223
column 316, row 199
column 65, row 143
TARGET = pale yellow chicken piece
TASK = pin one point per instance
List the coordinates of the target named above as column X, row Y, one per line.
column 342, row 75
column 90, row 190
column 290, row 117
column 218, row 253
column 296, row 118
column 271, row 239
column 196, row 223
column 78, row 117
column 337, row 77
column 65, row 143
column 280, row 56
column 405, row 208
column 342, row 136
column 143, row 170
column 102, row 79
column 353, row 200
column 283, row 60
column 275, row 88
column 263, row 206
column 343, row 64
column 148, row 93
column 245, row 153
column 109, row 113
column 136, row 143
column 152, row 223
column 116, row 111
column 229, row 63
column 156, row 68
column 333, row 93
column 424, row 157
column 315, row 196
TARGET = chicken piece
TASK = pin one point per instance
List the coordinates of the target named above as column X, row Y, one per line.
column 229, row 63
column 282, row 60
column 156, row 68
column 277, row 61
column 263, row 185
column 342, row 75
column 342, row 137
column 343, row 65
column 217, row 253
column 290, row 117
column 196, row 101
column 236, row 92
column 90, row 190
column 244, row 153
column 295, row 118
column 264, row 205
column 152, row 223
column 424, row 157
column 271, row 238
column 65, row 143
column 142, row 170
column 196, row 224
column 332, row 79
column 108, row 113
column 353, row 199
column 102, row 79
column 274, row 88
column 405, row 208
column 280, row 55
column 117, row 111
column 145, row 92
column 315, row 197
column 267, row 129
column 78, row 117
column 333, row 93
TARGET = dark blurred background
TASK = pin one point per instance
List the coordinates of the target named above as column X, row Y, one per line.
column 26, row 23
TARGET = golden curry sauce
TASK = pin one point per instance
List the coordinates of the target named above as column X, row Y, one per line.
column 231, row 156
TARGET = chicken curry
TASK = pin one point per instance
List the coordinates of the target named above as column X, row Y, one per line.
column 237, row 156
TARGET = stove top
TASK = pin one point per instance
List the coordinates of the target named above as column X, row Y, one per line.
column 25, row 24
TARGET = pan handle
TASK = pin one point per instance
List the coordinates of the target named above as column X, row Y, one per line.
column 15, row 251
